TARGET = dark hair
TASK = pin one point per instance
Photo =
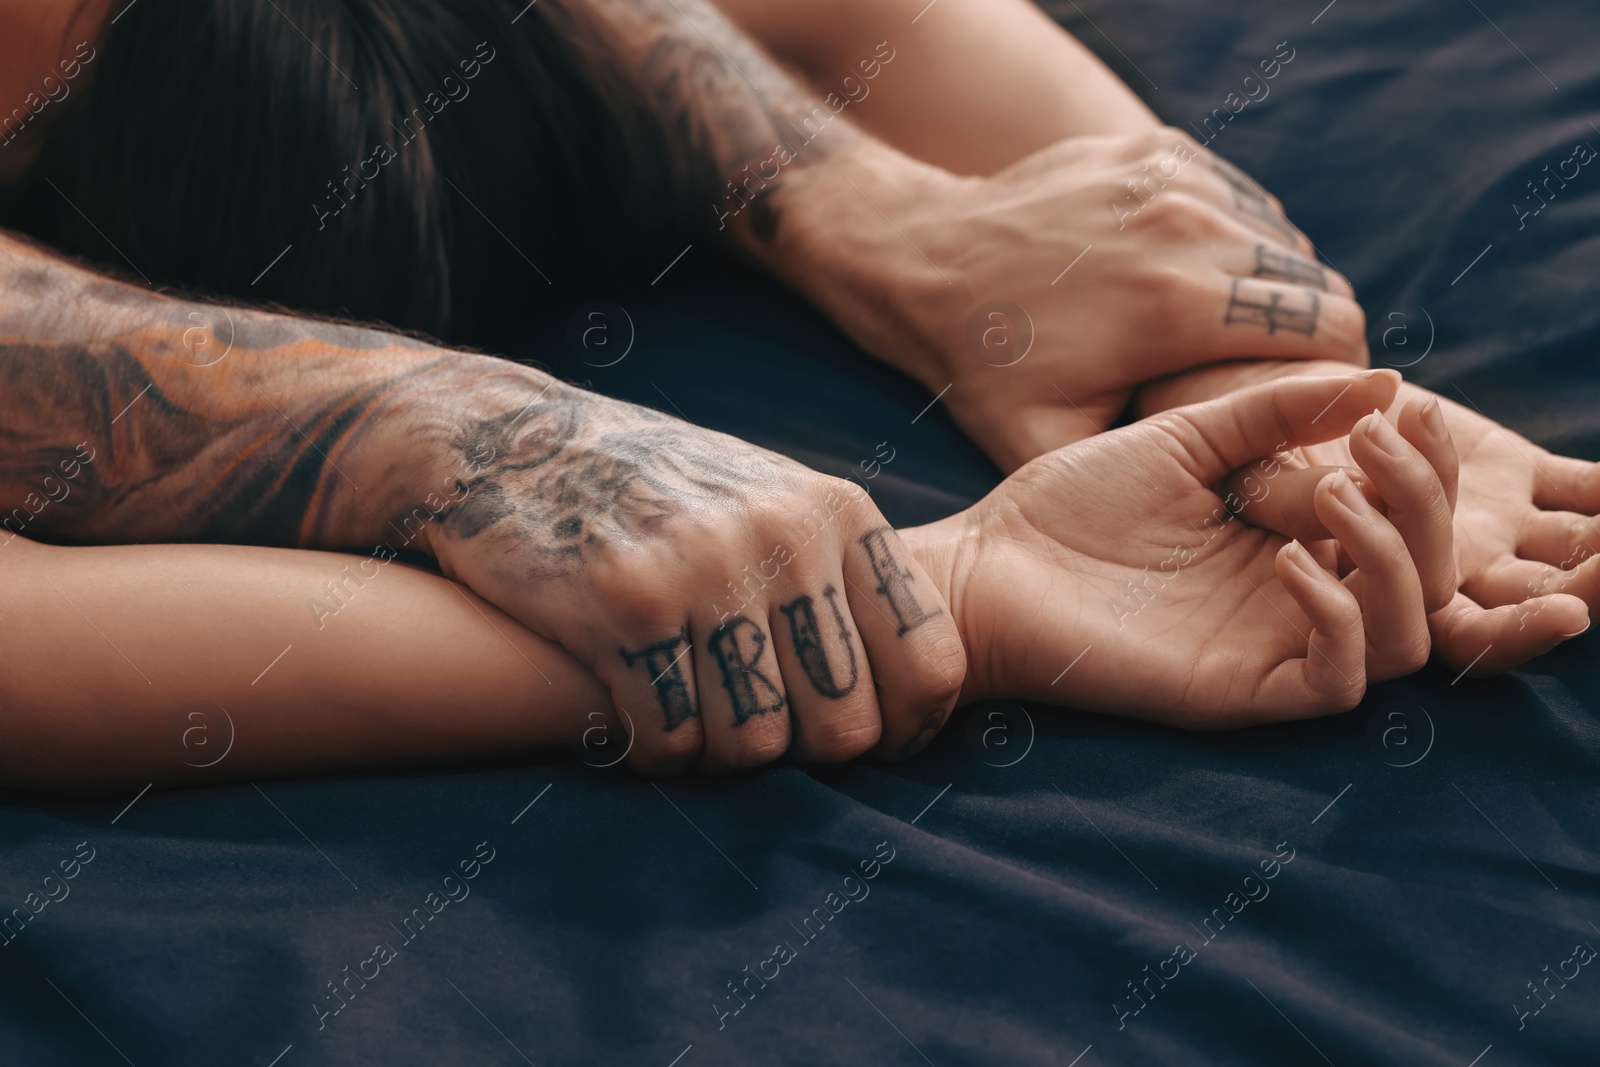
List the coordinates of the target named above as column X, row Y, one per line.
column 432, row 164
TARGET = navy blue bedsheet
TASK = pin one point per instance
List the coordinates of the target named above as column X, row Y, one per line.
column 1401, row 885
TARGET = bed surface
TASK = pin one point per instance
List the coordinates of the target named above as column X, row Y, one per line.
column 1429, row 854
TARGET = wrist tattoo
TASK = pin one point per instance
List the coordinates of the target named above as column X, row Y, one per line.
column 738, row 645
column 894, row 582
column 1272, row 308
column 812, row 647
column 1288, row 267
column 664, row 663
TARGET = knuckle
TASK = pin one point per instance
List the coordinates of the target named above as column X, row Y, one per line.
column 659, row 754
column 756, row 750
column 938, row 673
column 840, row 738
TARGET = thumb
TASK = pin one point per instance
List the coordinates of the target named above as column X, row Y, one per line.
column 1222, row 435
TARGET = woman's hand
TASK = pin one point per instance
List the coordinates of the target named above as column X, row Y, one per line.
column 1110, row 575
column 1036, row 300
column 1525, row 536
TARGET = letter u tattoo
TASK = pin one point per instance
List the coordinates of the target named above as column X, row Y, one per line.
column 813, row 650
column 751, row 691
column 664, row 661
column 894, row 582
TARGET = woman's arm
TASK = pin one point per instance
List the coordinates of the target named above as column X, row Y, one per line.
column 968, row 87
column 180, row 665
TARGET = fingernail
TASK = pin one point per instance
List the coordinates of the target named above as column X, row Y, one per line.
column 1433, row 418
column 1384, row 436
column 1302, row 559
column 1580, row 633
column 1345, row 492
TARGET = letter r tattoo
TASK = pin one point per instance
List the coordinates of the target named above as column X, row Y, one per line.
column 751, row 691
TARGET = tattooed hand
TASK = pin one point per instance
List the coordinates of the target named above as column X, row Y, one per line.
column 1109, row 575
column 733, row 600
column 729, row 597
column 1039, row 298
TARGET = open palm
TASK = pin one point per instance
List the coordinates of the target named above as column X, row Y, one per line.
column 1525, row 543
column 1110, row 575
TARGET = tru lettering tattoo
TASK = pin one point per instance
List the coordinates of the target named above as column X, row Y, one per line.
column 1288, row 267
column 1271, row 308
column 894, row 582
column 812, row 646
column 664, row 663
column 738, row 646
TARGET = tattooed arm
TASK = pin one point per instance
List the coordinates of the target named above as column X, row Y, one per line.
column 204, row 663
column 618, row 532
column 1033, row 300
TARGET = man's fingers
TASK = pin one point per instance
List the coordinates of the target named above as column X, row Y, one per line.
column 1332, row 677
column 1476, row 642
column 653, row 679
column 1396, row 624
column 913, row 649
column 832, row 705
column 1559, row 538
column 743, row 703
column 1256, row 256
column 1417, row 505
column 1222, row 435
column 1262, row 316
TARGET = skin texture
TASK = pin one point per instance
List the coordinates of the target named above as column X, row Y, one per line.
column 605, row 527
column 210, row 663
column 41, row 64
column 1524, row 531
column 1167, row 604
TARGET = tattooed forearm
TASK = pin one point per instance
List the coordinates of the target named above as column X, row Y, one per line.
column 228, row 424
column 818, row 649
column 743, row 120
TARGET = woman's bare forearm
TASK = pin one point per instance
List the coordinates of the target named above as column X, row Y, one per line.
column 179, row 665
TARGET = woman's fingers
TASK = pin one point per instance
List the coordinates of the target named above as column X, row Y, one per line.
column 1476, row 641
column 1223, row 435
column 1560, row 538
column 912, row 647
column 1422, row 423
column 1506, row 580
column 1385, row 582
column 1566, row 484
column 833, row 707
column 1332, row 677
column 1282, row 498
column 1413, row 490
